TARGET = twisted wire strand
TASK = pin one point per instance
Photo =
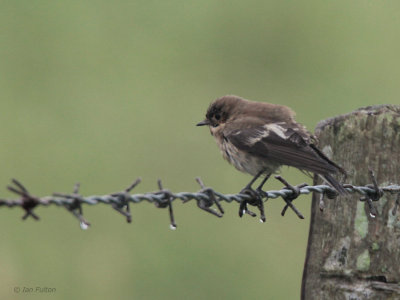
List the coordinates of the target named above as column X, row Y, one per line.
column 187, row 196
column 206, row 198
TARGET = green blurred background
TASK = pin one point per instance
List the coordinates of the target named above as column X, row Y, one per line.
column 101, row 92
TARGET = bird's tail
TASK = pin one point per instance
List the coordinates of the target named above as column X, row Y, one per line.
column 336, row 185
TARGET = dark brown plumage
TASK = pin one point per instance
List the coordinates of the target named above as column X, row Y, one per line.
column 258, row 138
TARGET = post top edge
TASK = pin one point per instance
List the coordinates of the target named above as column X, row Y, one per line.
column 367, row 110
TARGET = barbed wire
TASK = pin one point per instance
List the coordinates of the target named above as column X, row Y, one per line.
column 207, row 198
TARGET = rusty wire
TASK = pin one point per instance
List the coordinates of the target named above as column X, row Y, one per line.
column 207, row 198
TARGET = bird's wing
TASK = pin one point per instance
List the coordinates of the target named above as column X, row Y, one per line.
column 282, row 144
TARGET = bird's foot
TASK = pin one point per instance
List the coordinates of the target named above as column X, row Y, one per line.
column 255, row 199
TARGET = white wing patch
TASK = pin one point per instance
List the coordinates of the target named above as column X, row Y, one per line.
column 275, row 128
column 260, row 135
column 268, row 128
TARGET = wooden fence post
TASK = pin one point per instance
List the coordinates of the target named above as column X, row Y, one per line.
column 351, row 255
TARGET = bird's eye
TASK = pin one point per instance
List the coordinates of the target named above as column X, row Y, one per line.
column 217, row 117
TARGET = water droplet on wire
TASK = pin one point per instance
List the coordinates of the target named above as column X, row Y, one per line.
column 84, row 226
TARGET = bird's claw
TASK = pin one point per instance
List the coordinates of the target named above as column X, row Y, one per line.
column 256, row 199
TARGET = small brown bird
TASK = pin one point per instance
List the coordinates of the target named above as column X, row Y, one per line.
column 258, row 138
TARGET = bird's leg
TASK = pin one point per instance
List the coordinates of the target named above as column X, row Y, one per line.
column 248, row 186
column 259, row 188
column 262, row 194
column 256, row 197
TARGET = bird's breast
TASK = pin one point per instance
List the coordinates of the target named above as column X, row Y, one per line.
column 242, row 160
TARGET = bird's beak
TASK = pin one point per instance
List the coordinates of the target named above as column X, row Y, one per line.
column 203, row 123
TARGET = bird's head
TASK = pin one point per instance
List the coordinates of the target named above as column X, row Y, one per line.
column 221, row 111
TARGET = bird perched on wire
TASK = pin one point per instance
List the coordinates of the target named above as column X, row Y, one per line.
column 258, row 138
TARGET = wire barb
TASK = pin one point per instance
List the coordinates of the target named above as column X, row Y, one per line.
column 288, row 198
column 205, row 198
column 166, row 202
column 374, row 195
column 321, row 202
column 29, row 202
column 205, row 203
column 123, row 201
column 75, row 206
